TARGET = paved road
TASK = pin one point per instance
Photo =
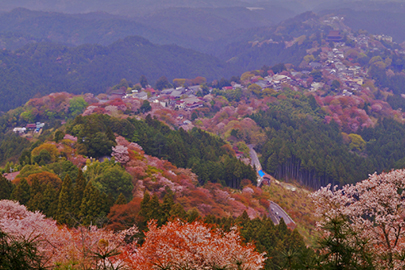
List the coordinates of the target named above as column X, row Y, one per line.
column 276, row 213
column 254, row 158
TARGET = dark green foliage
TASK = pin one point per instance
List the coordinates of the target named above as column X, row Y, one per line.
column 317, row 75
column 78, row 192
column 43, row 158
column 285, row 249
column 36, row 194
column 396, row 102
column 91, row 209
column 162, row 83
column 338, row 252
column 196, row 149
column 65, row 202
column 152, row 208
column 385, row 144
column 145, row 107
column 50, row 200
column 95, row 137
column 22, row 192
column 19, row 254
column 25, row 157
column 335, row 85
column 115, row 180
column 88, row 68
column 11, row 146
column 300, row 146
column 143, row 81
column 278, row 68
column 6, row 188
column 63, row 168
column 121, row 199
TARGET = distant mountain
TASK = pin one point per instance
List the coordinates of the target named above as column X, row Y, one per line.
column 127, row 7
column 386, row 21
column 195, row 28
column 95, row 28
column 44, row 68
column 268, row 45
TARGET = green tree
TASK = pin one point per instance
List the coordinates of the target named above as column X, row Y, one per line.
column 115, row 180
column 338, row 253
column 43, row 158
column 145, row 107
column 35, row 202
column 143, row 81
column 162, row 83
column 91, row 206
column 167, row 206
column 6, row 188
column 50, row 201
column 65, row 202
column 59, row 135
column 77, row 106
column 99, row 145
column 19, row 254
column 121, row 199
column 22, row 192
column 335, row 85
column 78, row 192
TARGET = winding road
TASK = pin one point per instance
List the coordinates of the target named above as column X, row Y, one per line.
column 276, row 213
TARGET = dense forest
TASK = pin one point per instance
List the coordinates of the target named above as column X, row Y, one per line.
column 302, row 146
column 208, row 156
column 43, row 68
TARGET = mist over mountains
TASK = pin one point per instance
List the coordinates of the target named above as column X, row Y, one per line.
column 90, row 51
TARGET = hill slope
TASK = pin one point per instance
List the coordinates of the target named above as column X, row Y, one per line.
column 44, row 68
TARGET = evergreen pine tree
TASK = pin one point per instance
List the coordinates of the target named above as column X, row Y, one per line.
column 154, row 209
column 121, row 199
column 65, row 201
column 178, row 211
column 193, row 215
column 145, row 206
column 78, row 193
column 35, row 202
column 6, row 188
column 22, row 192
column 50, row 201
column 167, row 206
column 91, row 206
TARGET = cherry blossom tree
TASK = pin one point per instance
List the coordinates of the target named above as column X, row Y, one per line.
column 179, row 245
column 121, row 154
column 88, row 247
column 374, row 211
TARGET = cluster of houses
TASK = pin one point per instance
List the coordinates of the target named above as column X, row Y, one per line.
column 175, row 98
column 36, row 128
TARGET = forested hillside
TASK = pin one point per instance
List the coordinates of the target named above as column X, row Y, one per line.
column 209, row 157
column 43, row 68
column 76, row 29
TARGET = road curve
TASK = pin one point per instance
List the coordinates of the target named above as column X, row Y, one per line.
column 254, row 159
column 276, row 213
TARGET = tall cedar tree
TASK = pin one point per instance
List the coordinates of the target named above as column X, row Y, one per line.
column 121, row 199
column 35, row 202
column 50, row 201
column 65, row 201
column 6, row 188
column 91, row 206
column 22, row 192
column 78, row 192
